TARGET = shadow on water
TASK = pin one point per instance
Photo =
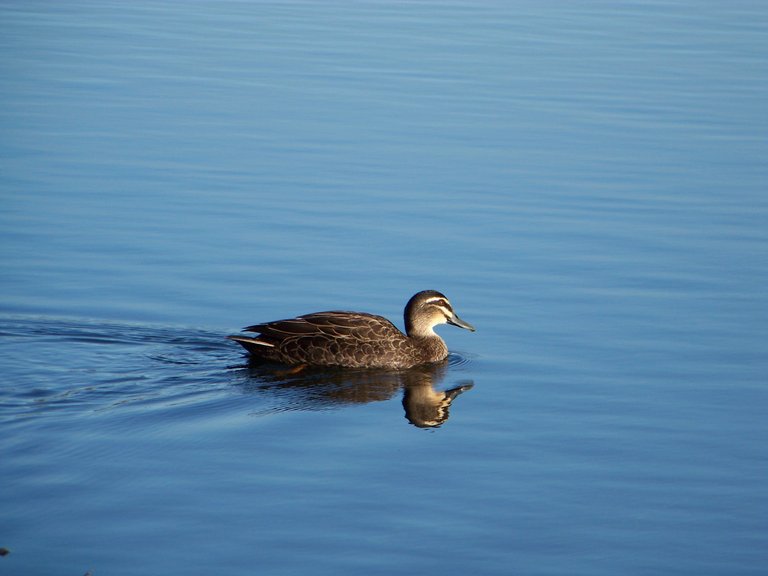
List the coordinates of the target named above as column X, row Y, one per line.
column 425, row 404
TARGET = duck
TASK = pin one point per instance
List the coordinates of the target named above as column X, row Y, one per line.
column 356, row 339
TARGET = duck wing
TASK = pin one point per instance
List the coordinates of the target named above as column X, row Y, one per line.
column 333, row 323
column 329, row 338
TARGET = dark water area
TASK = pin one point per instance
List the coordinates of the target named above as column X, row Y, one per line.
column 585, row 181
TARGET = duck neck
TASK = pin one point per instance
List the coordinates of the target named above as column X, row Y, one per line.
column 431, row 347
column 419, row 329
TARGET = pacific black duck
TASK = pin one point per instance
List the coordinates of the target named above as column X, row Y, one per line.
column 357, row 339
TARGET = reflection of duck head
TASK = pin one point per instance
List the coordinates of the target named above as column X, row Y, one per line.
column 426, row 407
column 318, row 388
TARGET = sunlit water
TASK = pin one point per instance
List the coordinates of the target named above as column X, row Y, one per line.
column 585, row 181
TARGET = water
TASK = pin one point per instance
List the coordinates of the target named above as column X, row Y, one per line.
column 585, row 181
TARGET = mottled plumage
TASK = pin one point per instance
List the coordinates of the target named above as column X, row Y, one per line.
column 357, row 339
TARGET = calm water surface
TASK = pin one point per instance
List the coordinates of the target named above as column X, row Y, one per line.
column 586, row 182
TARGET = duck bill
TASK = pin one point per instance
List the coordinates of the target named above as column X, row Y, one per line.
column 456, row 321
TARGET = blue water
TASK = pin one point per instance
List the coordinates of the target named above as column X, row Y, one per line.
column 585, row 181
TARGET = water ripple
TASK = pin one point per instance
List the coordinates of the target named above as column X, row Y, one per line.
column 56, row 365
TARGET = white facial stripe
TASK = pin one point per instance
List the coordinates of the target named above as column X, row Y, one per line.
column 434, row 299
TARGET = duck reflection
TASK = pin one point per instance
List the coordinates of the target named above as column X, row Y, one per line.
column 320, row 388
column 426, row 407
